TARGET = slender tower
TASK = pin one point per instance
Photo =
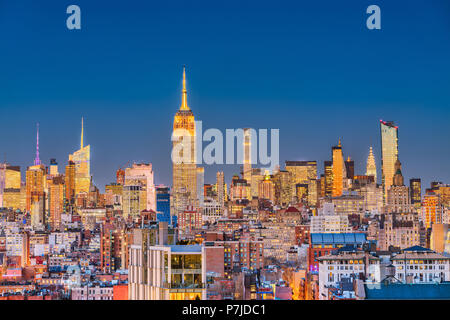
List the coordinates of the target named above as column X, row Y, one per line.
column 82, row 161
column 247, row 163
column 338, row 170
column 389, row 154
column 371, row 168
column 184, row 156
column 37, row 161
column 82, row 133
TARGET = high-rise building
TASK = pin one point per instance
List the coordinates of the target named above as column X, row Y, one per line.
column 12, row 177
column 302, row 171
column 184, row 190
column 70, row 182
column 389, row 153
column 35, row 195
column 35, row 189
column 398, row 194
column 256, row 177
column 415, row 188
column 13, row 192
column 134, row 200
column 56, row 201
column 338, row 170
column 163, row 204
column 373, row 196
column 441, row 189
column 239, row 189
column 328, row 169
column 82, row 160
column 141, row 174
column 53, row 168
column 247, row 163
column 350, row 168
column 371, row 167
column 432, row 210
column 221, row 192
column 266, row 189
column 200, row 186
column 283, row 187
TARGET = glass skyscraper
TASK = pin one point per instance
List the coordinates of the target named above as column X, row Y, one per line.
column 389, row 154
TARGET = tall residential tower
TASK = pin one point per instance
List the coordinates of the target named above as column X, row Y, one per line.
column 389, row 154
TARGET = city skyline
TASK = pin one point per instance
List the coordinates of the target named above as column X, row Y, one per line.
column 312, row 97
column 242, row 152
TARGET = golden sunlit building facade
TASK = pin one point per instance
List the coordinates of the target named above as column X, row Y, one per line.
column 56, row 201
column 35, row 194
column 431, row 209
column 184, row 156
column 266, row 189
column 13, row 192
column 389, row 154
column 328, row 169
column 338, row 170
column 134, row 200
column 283, row 187
column 82, row 161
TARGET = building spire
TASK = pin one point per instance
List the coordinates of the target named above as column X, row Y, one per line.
column 339, row 145
column 82, row 133
column 371, row 168
column 37, row 161
column 184, row 104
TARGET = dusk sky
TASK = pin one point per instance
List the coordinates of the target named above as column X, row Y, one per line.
column 312, row 70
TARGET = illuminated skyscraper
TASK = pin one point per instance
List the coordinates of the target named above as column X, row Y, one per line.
column 70, row 182
column 283, row 187
column 389, row 153
column 350, row 168
column 134, row 201
column 82, row 160
column 328, row 169
column 184, row 156
column 141, row 174
column 415, row 189
column 53, row 168
column 56, row 201
column 266, row 188
column 398, row 194
column 247, row 163
column 35, row 195
column 338, row 170
column 13, row 193
column 371, row 168
column 432, row 210
column 302, row 172
column 220, row 188
column 35, row 184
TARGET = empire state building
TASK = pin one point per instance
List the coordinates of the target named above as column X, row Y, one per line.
column 184, row 190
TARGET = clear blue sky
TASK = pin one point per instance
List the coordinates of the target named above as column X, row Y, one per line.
column 311, row 69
